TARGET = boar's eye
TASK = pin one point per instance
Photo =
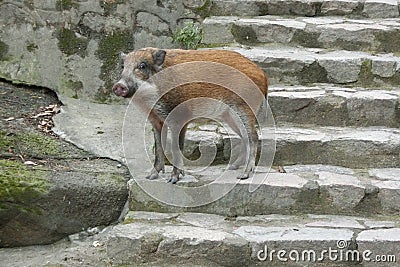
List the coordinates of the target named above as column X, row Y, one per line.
column 142, row 66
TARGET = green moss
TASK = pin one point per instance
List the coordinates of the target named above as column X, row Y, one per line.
column 3, row 51
column 20, row 186
column 5, row 142
column 29, row 144
column 111, row 179
column 30, row 4
column 366, row 77
column 214, row 45
column 66, row 4
column 205, row 10
column 70, row 44
column 31, row 47
column 110, row 46
column 71, row 88
column 110, row 6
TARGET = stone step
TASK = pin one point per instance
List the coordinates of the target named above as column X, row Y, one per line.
column 381, row 35
column 290, row 65
column 358, row 8
column 319, row 189
column 199, row 239
column 329, row 105
column 350, row 147
column 353, row 147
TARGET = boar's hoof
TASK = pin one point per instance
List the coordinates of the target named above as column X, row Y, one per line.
column 152, row 176
column 243, row 176
column 173, row 180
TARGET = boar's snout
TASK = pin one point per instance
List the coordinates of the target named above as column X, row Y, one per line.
column 120, row 90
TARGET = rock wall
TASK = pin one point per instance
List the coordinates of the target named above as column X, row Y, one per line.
column 72, row 46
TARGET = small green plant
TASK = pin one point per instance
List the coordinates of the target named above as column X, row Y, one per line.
column 189, row 37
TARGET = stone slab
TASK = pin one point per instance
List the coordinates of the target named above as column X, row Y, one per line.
column 289, row 65
column 158, row 239
column 330, row 105
column 381, row 8
column 322, row 32
column 381, row 246
column 373, row 8
column 285, row 193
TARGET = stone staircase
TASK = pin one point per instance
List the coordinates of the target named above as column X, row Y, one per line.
column 334, row 73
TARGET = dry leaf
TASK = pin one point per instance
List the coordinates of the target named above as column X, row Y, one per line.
column 28, row 162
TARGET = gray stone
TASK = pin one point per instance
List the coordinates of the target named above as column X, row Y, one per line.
column 389, row 195
column 266, row 239
column 380, row 245
column 201, row 219
column 152, row 23
column 374, row 106
column 342, row 67
column 261, row 234
column 381, row 8
column 218, row 30
column 134, row 216
column 389, row 235
column 325, row 32
column 208, row 143
column 346, row 191
column 134, row 242
column 392, row 174
column 372, row 224
column 318, row 168
column 385, row 67
column 97, row 131
column 338, row 144
column 334, row 106
column 238, row 8
column 338, row 222
column 296, row 66
column 333, row 7
column 298, row 7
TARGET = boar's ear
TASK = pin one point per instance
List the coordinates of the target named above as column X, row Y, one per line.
column 159, row 57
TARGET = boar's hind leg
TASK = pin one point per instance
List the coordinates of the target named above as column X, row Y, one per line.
column 248, row 146
column 252, row 144
column 241, row 155
column 177, row 149
column 160, row 137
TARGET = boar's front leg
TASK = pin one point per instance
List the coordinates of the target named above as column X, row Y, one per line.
column 160, row 137
column 177, row 150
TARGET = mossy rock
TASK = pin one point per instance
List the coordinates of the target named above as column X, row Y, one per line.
column 3, row 51
column 204, row 11
column 110, row 6
column 66, row 4
column 109, row 49
column 30, row 144
column 41, row 206
column 70, row 43
column 21, row 186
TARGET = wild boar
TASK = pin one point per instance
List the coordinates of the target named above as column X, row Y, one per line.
column 141, row 65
